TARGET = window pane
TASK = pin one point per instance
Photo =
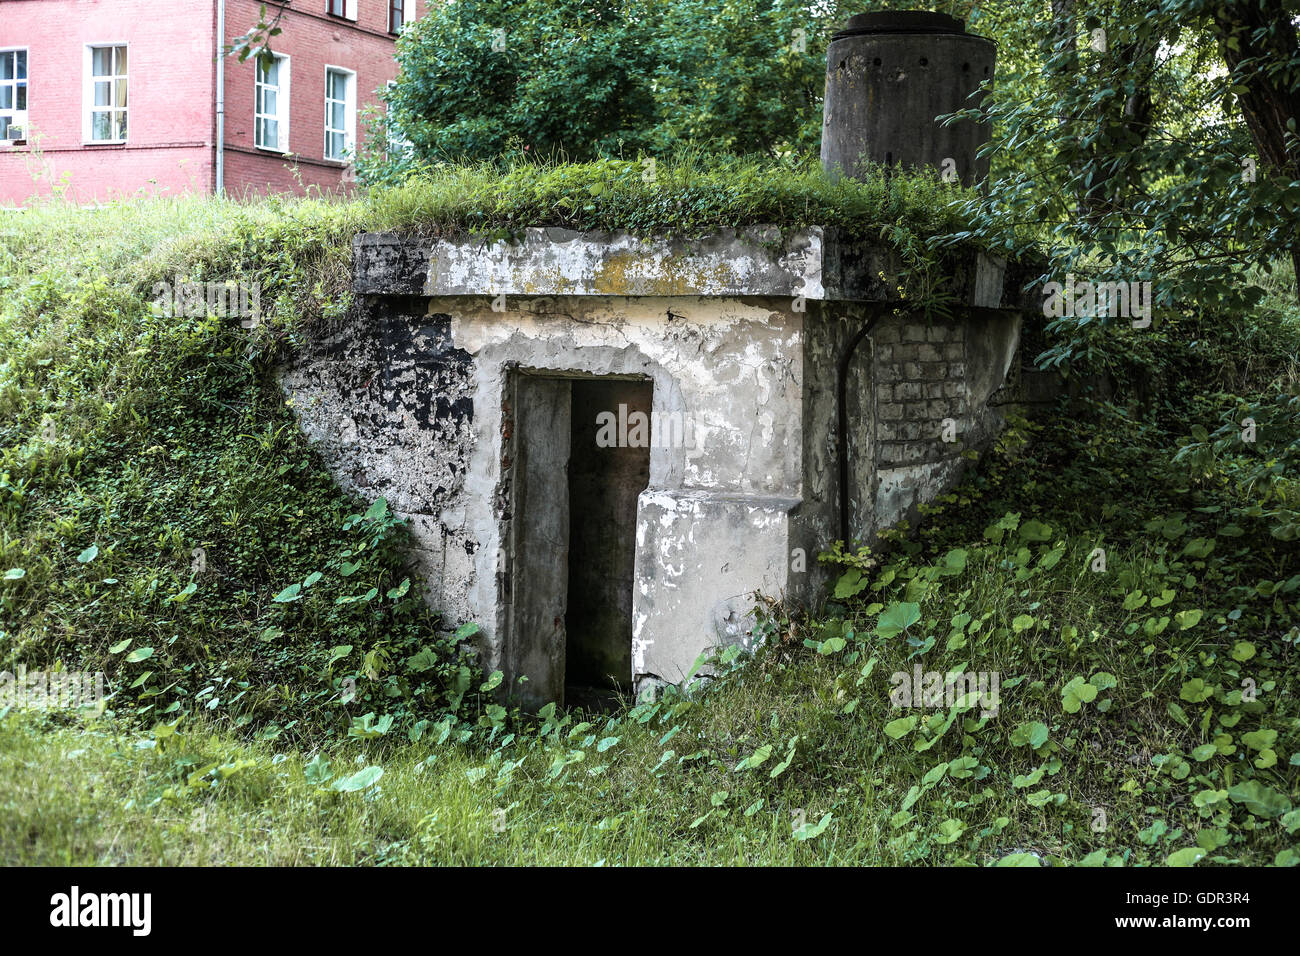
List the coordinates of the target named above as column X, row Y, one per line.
column 270, row 102
column 121, row 125
column 21, row 57
column 121, row 93
column 4, row 127
column 335, row 143
column 102, row 98
column 100, row 127
column 22, row 97
column 7, row 66
column 6, row 97
column 337, row 114
column 101, row 61
column 121, row 60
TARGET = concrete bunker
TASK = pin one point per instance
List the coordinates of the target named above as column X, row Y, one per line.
column 467, row 382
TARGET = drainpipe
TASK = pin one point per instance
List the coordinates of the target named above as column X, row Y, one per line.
column 888, row 74
column 221, row 98
column 842, row 421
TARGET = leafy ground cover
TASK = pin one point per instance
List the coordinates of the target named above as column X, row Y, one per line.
column 1127, row 569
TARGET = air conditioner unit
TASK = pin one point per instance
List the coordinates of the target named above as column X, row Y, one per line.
column 14, row 132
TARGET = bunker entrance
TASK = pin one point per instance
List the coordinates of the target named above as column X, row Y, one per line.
column 579, row 468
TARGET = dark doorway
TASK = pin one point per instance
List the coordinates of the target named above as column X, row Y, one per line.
column 573, row 535
column 604, row 483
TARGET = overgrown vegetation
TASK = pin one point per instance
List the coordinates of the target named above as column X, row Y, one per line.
column 1145, row 714
column 291, row 699
column 690, row 195
column 164, row 520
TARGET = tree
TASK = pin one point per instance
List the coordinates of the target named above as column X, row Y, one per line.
column 1157, row 143
column 480, row 78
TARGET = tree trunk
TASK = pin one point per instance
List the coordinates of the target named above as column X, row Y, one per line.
column 1260, row 34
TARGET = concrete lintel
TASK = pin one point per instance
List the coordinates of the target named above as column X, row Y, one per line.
column 552, row 261
column 812, row 263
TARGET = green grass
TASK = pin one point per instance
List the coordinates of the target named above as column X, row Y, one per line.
column 104, row 795
column 127, row 439
column 1017, row 595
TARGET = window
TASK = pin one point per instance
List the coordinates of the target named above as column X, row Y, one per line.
column 13, row 94
column 400, row 15
column 342, row 8
column 271, row 109
column 340, row 112
column 105, row 118
column 397, row 145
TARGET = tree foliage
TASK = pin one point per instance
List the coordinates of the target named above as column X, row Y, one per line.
column 1157, row 143
column 485, row 78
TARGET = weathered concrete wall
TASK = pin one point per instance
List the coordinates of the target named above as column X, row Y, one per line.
column 435, row 398
column 732, row 367
column 387, row 397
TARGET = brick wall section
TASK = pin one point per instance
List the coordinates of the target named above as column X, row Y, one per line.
column 312, row 40
column 919, row 376
column 170, row 69
column 171, row 96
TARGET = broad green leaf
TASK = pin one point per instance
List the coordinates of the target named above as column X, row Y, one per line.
column 1188, row 856
column 289, row 594
column 896, row 618
column 900, row 727
column 808, row 831
column 756, row 759
column 359, row 780
column 1032, row 734
column 1258, row 799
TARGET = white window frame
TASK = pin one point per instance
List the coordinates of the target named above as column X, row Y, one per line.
column 350, row 116
column 408, row 16
column 349, row 9
column 88, row 92
column 18, row 117
column 284, row 78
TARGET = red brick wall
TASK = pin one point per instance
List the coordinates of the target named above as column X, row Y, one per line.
column 171, row 69
column 312, row 40
column 170, row 52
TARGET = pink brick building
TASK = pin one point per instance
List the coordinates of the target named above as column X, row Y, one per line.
column 104, row 99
